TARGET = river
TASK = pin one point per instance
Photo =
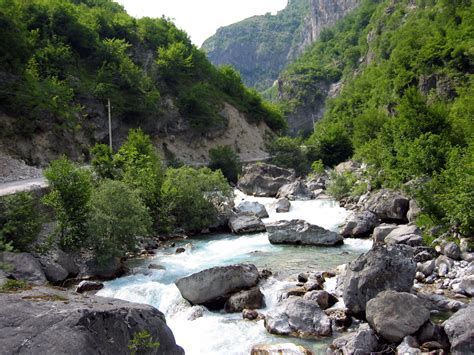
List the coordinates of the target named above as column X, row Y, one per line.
column 221, row 333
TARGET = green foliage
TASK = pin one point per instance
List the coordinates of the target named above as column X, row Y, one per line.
column 317, row 167
column 117, row 217
column 225, row 159
column 69, row 197
column 22, row 222
column 191, row 196
column 102, row 161
column 14, row 286
column 289, row 153
column 331, row 144
column 142, row 342
column 340, row 185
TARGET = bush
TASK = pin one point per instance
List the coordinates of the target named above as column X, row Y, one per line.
column 317, row 167
column 14, row 286
column 288, row 153
column 141, row 342
column 22, row 222
column 69, row 197
column 117, row 217
column 225, row 159
column 102, row 161
column 340, row 185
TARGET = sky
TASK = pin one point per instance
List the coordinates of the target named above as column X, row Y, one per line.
column 201, row 18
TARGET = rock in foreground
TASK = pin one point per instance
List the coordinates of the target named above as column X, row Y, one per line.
column 252, row 207
column 460, row 331
column 47, row 321
column 246, row 223
column 212, row 287
column 298, row 231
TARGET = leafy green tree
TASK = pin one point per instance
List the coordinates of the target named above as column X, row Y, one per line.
column 69, row 197
column 289, row 153
column 102, row 161
column 330, row 143
column 225, row 159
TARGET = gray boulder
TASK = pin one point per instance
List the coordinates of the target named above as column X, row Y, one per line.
column 409, row 346
column 381, row 232
column 405, row 234
column 318, row 183
column 264, row 179
column 389, row 206
column 381, row 268
column 252, row 207
column 212, row 287
column 460, row 330
column 363, row 341
column 323, row 298
column 349, row 166
column 395, row 315
column 49, row 321
column 413, row 211
column 286, row 348
column 360, row 224
column 440, row 303
column 467, row 285
column 451, row 250
column 246, row 299
column 246, row 223
column 23, row 266
column 282, row 205
column 54, row 272
column 298, row 231
column 295, row 191
column 91, row 268
column 298, row 317
column 85, row 286
column 426, row 268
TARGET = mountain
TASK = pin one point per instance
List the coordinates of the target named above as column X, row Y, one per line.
column 62, row 60
column 261, row 46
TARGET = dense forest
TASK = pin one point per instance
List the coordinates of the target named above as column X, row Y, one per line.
column 406, row 103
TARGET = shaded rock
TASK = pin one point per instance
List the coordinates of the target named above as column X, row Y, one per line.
column 360, row 224
column 23, row 266
column 303, row 277
column 317, row 184
column 444, row 264
column 313, row 285
column 294, row 291
column 363, row 341
column 388, row 205
column 287, row 348
column 405, row 234
column 395, row 315
column 66, row 261
column 252, row 314
column 340, row 318
column 55, row 273
column 381, row 268
column 298, row 231
column 460, row 330
column 413, row 211
column 92, row 268
column 180, row 250
column 295, row 191
column 246, row 223
column 73, row 324
column 156, row 267
column 409, row 346
column 451, row 250
column 212, row 287
column 264, row 179
column 426, row 268
column 298, row 317
column 440, row 303
column 424, row 253
column 252, row 207
column 467, row 285
column 323, row 298
column 430, row 332
column 380, row 232
column 282, row 205
column 246, row 299
column 85, row 286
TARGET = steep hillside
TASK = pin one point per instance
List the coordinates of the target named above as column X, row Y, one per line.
column 61, row 60
column 261, row 46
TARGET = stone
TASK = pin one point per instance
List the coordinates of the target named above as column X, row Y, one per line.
column 85, row 286
column 252, row 207
column 409, row 346
column 388, row 205
column 196, row 312
column 467, row 285
column 313, row 285
column 413, row 211
column 23, row 266
column 340, row 318
column 460, row 330
column 91, row 268
column 246, row 299
column 381, row 268
column 359, row 225
column 363, row 341
column 246, row 223
column 318, row 183
column 156, row 267
column 264, row 180
column 323, row 298
column 405, row 234
column 430, row 332
column 252, row 314
column 302, row 277
column 49, row 321
column 286, row 348
column 444, row 264
column 349, row 166
column 66, row 261
column 395, row 315
column 451, row 250
column 212, row 287
column 296, row 190
column 381, row 231
column 298, row 231
column 180, row 250
column 55, row 273
column 298, row 317
column 282, row 205
column 426, row 268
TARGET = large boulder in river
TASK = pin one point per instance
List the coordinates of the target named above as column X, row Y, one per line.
column 252, row 207
column 50, row 321
column 23, row 266
column 246, row 299
column 395, row 315
column 298, row 231
column 460, row 331
column 360, row 224
column 282, row 205
column 212, row 287
column 246, row 223
column 389, row 206
column 381, row 268
column 298, row 317
column 264, row 179
column 296, row 190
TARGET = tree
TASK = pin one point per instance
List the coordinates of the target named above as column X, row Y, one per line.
column 227, row 161
column 288, row 153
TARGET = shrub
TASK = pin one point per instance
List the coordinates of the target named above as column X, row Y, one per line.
column 288, row 153
column 22, row 222
column 69, row 197
column 141, row 342
column 340, row 185
column 117, row 217
column 14, row 286
column 226, row 160
column 317, row 167
column 102, row 161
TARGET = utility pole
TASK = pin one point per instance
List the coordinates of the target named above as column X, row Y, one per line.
column 110, row 125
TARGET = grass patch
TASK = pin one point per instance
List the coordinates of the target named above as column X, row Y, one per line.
column 14, row 286
column 53, row 298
